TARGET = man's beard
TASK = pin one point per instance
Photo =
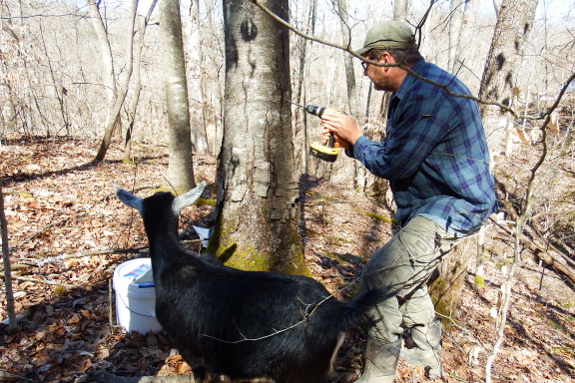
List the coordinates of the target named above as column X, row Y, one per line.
column 382, row 84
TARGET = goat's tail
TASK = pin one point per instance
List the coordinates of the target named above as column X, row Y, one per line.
column 360, row 307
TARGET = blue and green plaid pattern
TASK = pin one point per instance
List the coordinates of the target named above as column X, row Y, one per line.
column 434, row 154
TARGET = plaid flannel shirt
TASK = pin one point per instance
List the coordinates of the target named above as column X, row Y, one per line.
column 434, row 154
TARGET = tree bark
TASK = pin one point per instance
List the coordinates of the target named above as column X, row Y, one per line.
column 180, row 174
column 197, row 81
column 7, row 270
column 499, row 76
column 455, row 23
column 117, row 92
column 301, row 87
column 137, row 81
column 355, row 167
column 400, row 8
column 462, row 63
column 445, row 290
column 257, row 215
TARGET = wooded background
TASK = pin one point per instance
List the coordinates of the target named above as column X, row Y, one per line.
column 57, row 76
column 100, row 70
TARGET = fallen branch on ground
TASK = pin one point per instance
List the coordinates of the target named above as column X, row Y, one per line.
column 539, row 251
column 81, row 254
column 36, row 280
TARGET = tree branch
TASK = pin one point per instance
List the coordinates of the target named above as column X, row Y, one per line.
column 559, row 267
column 407, row 69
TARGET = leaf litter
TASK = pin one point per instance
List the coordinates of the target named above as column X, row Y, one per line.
column 68, row 233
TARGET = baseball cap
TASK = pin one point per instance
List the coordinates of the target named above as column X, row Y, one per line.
column 389, row 35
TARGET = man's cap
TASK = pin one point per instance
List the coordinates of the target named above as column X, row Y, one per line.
column 389, row 35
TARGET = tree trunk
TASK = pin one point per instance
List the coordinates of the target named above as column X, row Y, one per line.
column 107, row 56
column 462, row 64
column 137, row 80
column 257, row 214
column 355, row 167
column 499, row 76
column 372, row 185
column 445, row 290
column 480, row 259
column 454, row 30
column 118, row 93
column 400, row 8
column 7, row 270
column 113, row 126
column 301, row 88
column 180, row 174
column 197, row 82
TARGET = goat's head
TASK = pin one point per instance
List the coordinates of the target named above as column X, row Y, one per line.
column 178, row 203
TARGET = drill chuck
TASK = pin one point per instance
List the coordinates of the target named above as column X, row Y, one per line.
column 315, row 110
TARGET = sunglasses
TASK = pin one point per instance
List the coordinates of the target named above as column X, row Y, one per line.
column 364, row 65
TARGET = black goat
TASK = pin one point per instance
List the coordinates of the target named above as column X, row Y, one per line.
column 242, row 324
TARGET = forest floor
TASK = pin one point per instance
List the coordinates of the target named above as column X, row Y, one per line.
column 68, row 232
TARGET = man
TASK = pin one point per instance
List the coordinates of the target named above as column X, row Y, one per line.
column 436, row 159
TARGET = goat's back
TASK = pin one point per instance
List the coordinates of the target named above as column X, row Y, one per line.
column 251, row 324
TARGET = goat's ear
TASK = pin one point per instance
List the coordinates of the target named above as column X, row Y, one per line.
column 188, row 198
column 129, row 199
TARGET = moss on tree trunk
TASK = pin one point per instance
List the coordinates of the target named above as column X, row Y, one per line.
column 257, row 215
column 445, row 291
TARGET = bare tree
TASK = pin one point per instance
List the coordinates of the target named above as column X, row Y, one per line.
column 257, row 215
column 400, row 8
column 117, row 92
column 539, row 176
column 514, row 22
column 301, row 82
column 197, row 81
column 355, row 167
column 180, row 174
column 464, row 51
column 137, row 82
column 455, row 26
column 7, row 269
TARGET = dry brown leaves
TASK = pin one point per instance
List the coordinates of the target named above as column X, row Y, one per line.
column 58, row 204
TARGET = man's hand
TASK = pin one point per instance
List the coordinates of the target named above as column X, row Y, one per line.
column 343, row 127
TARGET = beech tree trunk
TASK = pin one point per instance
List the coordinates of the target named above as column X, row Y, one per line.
column 514, row 22
column 180, row 174
column 257, row 214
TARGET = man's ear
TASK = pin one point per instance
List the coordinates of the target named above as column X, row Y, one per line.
column 387, row 58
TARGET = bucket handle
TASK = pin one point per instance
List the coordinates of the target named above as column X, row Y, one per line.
column 132, row 311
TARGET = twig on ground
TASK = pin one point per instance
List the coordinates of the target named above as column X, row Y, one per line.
column 36, row 280
column 87, row 253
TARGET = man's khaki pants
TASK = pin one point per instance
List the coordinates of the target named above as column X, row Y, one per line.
column 405, row 264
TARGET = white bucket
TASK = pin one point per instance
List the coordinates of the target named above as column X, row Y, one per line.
column 136, row 296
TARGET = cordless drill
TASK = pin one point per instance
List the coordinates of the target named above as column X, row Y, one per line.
column 327, row 151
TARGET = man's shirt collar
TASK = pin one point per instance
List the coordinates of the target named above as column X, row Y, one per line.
column 409, row 80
